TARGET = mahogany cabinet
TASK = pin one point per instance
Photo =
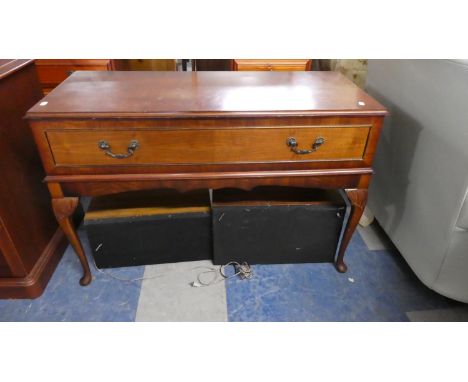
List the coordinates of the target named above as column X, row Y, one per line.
column 31, row 243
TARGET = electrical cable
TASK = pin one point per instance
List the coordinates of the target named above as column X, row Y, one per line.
column 123, row 279
column 243, row 270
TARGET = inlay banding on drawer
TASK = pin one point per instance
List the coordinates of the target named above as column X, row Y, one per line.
column 84, row 147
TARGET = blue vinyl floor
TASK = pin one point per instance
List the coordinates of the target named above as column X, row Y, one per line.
column 379, row 286
column 105, row 299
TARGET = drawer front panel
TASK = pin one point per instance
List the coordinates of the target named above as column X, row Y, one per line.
column 272, row 65
column 205, row 146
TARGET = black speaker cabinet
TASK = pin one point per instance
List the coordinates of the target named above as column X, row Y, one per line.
column 141, row 228
column 274, row 225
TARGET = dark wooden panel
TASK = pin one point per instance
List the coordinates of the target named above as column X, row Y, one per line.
column 212, row 65
column 24, row 200
column 8, row 67
column 4, row 269
column 27, row 223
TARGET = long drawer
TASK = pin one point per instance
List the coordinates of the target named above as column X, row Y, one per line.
column 108, row 147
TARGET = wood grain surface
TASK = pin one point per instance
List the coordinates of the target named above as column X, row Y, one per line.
column 209, row 146
column 172, row 94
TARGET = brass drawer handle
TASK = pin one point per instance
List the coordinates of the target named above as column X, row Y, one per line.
column 292, row 143
column 132, row 146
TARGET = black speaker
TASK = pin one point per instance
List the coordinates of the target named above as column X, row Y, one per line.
column 274, row 225
column 142, row 228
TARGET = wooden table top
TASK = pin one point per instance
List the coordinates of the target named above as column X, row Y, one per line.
column 100, row 94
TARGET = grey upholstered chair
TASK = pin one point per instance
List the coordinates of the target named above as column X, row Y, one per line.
column 419, row 191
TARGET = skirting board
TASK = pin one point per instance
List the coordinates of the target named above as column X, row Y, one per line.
column 34, row 284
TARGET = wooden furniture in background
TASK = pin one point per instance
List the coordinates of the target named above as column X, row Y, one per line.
column 272, row 65
column 53, row 72
column 31, row 243
column 192, row 130
column 199, row 65
column 143, row 64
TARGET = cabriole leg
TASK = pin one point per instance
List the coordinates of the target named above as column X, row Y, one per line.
column 358, row 199
column 63, row 210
